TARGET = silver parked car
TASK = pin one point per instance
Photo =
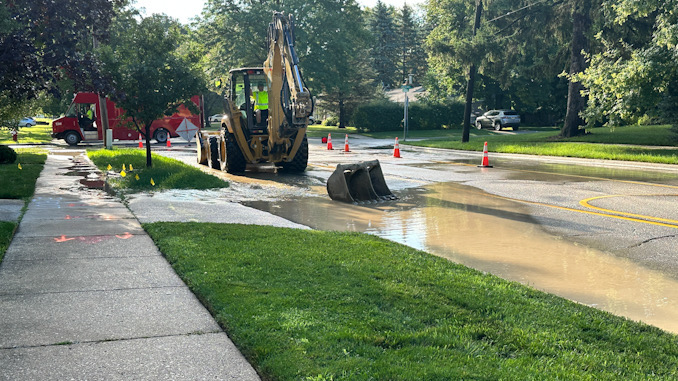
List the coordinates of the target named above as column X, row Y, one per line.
column 27, row 122
column 216, row 118
column 498, row 119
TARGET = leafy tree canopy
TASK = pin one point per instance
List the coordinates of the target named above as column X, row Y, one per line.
column 636, row 73
column 152, row 75
column 44, row 41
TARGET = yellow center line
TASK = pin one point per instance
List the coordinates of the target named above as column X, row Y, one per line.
column 591, row 212
column 586, row 203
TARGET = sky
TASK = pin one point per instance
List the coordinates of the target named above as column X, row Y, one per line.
column 185, row 10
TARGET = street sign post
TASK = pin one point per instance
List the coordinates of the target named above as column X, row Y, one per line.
column 405, row 88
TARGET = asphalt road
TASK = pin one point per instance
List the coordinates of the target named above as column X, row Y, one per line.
column 624, row 208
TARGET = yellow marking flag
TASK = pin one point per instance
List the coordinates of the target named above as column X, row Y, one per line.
column 19, row 166
column 152, row 182
column 123, row 173
column 123, row 167
column 136, row 176
column 109, row 167
column 130, row 167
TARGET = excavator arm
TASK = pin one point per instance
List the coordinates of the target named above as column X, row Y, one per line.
column 290, row 102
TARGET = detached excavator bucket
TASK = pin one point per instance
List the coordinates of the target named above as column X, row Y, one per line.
column 358, row 183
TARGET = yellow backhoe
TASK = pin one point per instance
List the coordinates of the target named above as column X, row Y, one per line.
column 267, row 111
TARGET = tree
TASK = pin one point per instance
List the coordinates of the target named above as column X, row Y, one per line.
column 454, row 45
column 412, row 58
column 234, row 33
column 152, row 77
column 42, row 42
column 520, row 51
column 336, row 62
column 576, row 101
column 636, row 74
column 330, row 40
column 385, row 47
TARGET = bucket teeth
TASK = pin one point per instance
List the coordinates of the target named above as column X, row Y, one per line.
column 359, row 183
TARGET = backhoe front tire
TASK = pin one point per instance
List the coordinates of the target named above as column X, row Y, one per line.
column 213, row 157
column 235, row 160
column 300, row 160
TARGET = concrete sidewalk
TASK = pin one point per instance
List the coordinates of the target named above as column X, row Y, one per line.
column 85, row 294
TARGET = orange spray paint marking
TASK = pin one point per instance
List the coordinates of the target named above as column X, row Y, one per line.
column 63, row 239
column 125, row 236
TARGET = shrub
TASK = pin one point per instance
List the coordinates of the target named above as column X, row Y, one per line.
column 7, row 155
column 378, row 116
column 388, row 116
column 674, row 133
column 331, row 121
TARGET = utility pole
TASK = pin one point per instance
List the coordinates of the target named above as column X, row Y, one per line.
column 103, row 108
column 406, row 87
column 471, row 81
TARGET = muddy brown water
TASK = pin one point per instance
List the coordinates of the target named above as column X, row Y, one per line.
column 497, row 236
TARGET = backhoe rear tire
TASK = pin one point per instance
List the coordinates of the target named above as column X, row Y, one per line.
column 299, row 162
column 213, row 156
column 235, row 160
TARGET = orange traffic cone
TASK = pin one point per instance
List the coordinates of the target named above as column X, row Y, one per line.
column 169, row 144
column 486, row 160
column 346, row 144
column 141, row 144
column 329, row 142
column 396, row 149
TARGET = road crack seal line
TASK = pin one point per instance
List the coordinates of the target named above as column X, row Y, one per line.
column 586, row 203
column 102, row 341
column 652, row 239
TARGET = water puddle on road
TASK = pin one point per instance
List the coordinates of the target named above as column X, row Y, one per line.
column 536, row 171
column 498, row 236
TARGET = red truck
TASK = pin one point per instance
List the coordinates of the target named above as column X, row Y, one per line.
column 83, row 121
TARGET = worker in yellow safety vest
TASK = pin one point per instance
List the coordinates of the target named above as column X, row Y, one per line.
column 260, row 101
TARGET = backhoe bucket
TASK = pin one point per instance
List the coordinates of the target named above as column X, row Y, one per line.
column 359, row 183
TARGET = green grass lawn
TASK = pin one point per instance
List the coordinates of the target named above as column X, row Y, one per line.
column 318, row 131
column 38, row 134
column 166, row 173
column 19, row 183
column 6, row 234
column 314, row 305
column 603, row 143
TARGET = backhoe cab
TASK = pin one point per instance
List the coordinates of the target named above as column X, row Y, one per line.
column 267, row 111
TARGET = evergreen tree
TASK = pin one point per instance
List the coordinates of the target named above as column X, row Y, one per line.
column 412, row 55
column 385, row 47
column 336, row 63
